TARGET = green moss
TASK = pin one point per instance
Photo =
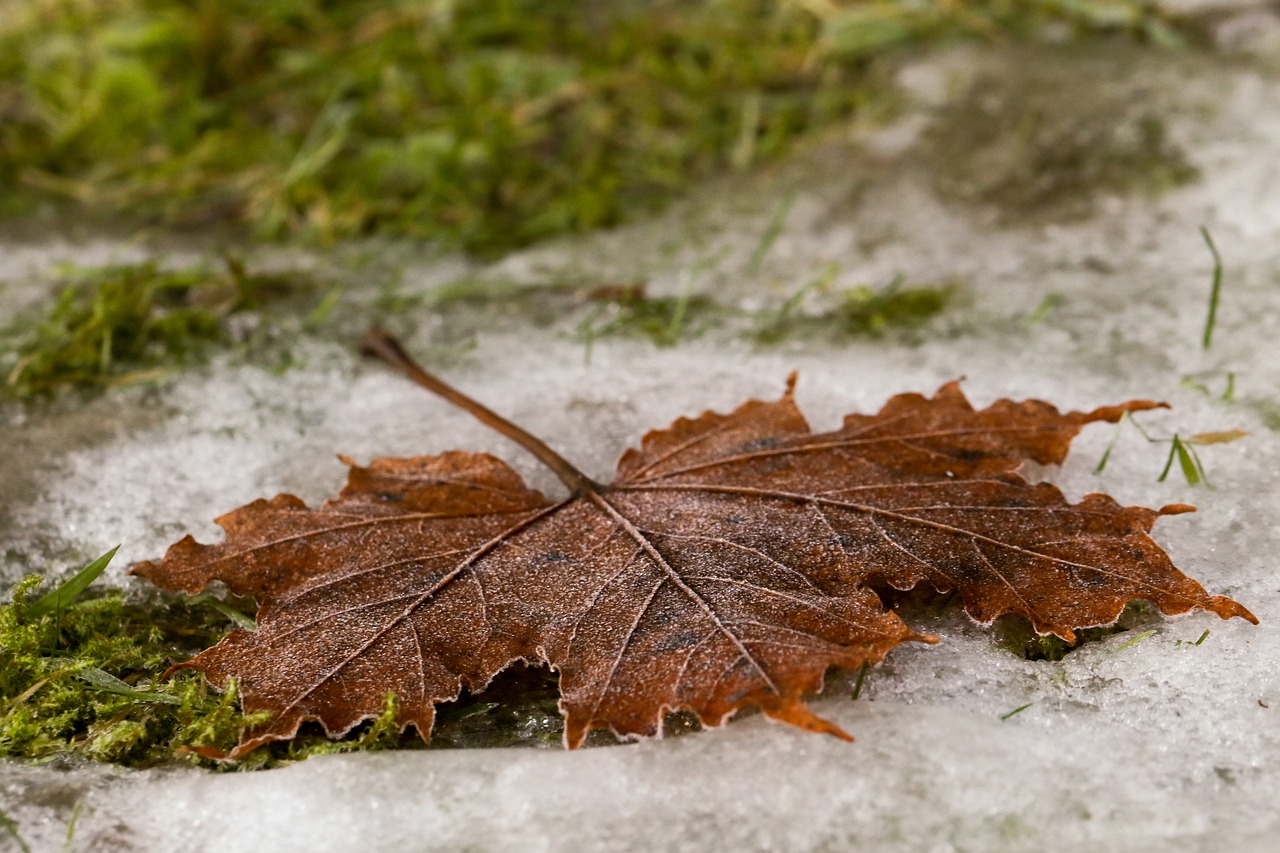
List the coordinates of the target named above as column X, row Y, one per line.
column 133, row 323
column 479, row 123
column 596, row 313
column 857, row 311
column 85, row 678
column 53, row 703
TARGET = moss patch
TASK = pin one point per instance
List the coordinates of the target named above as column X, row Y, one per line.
column 478, row 123
column 594, row 313
column 54, row 699
column 134, row 323
column 84, row 678
column 855, row 312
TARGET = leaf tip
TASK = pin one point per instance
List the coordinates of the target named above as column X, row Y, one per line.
column 951, row 394
column 798, row 714
column 1228, row 607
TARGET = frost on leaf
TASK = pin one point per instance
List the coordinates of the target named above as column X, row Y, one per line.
column 730, row 564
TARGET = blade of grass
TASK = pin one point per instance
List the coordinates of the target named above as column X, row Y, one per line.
column 226, row 610
column 671, row 334
column 109, row 683
column 11, row 827
column 1135, row 640
column 857, row 685
column 1106, row 454
column 71, row 824
column 1214, row 293
column 1188, row 462
column 316, row 318
column 775, row 325
column 70, row 589
column 1017, row 710
column 1049, row 303
column 1168, row 463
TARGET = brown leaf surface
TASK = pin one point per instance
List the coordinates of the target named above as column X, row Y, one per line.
column 727, row 566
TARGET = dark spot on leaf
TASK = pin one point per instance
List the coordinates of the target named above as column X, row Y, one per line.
column 677, row 641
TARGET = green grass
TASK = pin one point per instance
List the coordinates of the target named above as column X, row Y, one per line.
column 664, row 320
column 628, row 311
column 1197, row 642
column 857, row 684
column 1215, row 291
column 485, row 124
column 1133, row 642
column 134, row 323
column 1018, row 710
column 857, row 312
column 140, row 323
column 1181, row 450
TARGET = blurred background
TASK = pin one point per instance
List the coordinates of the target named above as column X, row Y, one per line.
column 479, row 125
column 458, row 126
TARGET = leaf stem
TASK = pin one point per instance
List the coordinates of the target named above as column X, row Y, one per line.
column 381, row 344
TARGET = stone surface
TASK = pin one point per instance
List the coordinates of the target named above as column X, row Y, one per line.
column 1092, row 294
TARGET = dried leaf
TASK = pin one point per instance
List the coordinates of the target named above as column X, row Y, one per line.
column 1222, row 437
column 728, row 565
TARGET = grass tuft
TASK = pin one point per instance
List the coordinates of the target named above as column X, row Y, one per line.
column 1181, row 450
column 858, row 312
column 134, row 323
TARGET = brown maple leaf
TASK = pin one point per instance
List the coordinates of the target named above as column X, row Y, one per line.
column 726, row 566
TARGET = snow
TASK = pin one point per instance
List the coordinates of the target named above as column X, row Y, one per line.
column 1160, row 744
